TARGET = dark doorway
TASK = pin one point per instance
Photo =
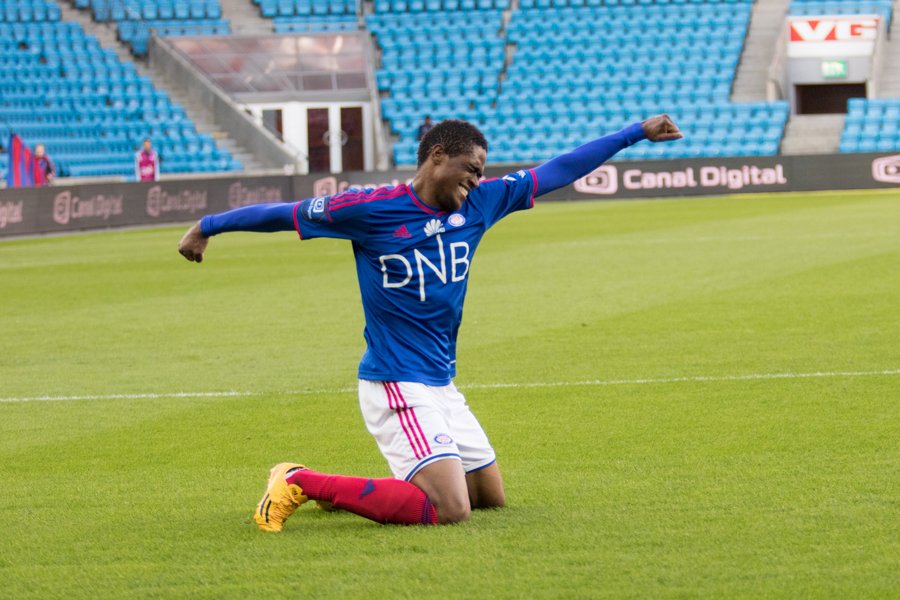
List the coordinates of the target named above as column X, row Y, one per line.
column 317, row 138
column 353, row 138
column 822, row 99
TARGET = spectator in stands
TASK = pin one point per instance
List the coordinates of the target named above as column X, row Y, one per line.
column 146, row 163
column 44, row 169
column 424, row 128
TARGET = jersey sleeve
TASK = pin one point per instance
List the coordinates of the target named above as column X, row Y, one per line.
column 344, row 216
column 496, row 198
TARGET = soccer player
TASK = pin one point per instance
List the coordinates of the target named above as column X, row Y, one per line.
column 414, row 245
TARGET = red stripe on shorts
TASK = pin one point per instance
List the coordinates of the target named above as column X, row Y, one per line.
column 394, row 404
column 412, row 412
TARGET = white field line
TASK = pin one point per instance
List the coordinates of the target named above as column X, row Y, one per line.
column 474, row 386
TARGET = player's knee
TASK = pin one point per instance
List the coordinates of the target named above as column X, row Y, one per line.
column 492, row 501
column 454, row 512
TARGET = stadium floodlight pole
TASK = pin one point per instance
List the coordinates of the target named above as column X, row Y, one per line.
column 413, row 245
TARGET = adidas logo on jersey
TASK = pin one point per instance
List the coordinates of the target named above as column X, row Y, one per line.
column 432, row 227
column 402, row 232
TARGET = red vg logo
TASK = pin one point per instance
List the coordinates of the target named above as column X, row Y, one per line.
column 857, row 29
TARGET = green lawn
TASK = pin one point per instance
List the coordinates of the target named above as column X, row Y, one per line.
column 688, row 398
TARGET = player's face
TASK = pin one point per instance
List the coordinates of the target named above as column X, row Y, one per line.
column 458, row 175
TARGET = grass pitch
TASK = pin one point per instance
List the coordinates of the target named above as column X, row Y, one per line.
column 712, row 409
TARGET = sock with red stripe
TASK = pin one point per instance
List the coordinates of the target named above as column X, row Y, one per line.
column 382, row 500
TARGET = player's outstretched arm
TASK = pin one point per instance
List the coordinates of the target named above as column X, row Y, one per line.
column 277, row 216
column 569, row 167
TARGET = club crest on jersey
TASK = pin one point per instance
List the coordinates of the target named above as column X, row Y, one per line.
column 315, row 209
column 443, row 438
column 456, row 220
column 432, row 227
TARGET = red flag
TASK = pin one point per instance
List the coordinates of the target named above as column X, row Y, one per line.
column 20, row 172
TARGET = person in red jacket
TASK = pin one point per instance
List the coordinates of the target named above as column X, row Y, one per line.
column 44, row 169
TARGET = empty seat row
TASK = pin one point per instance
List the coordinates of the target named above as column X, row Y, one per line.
column 563, row 4
column 580, row 38
column 304, row 25
column 307, row 8
column 430, row 20
column 429, row 61
column 35, row 14
column 418, row 6
column 116, row 10
column 402, row 34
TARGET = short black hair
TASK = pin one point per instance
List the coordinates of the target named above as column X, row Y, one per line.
column 454, row 136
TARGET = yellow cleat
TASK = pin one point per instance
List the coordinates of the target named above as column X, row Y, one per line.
column 280, row 500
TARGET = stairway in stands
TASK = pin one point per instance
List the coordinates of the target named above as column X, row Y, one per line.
column 245, row 18
column 766, row 23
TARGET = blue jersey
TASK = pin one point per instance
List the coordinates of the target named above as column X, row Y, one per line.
column 412, row 262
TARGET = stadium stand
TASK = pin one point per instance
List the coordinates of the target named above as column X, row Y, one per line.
column 872, row 126
column 438, row 59
column 884, row 8
column 135, row 19
column 301, row 16
column 593, row 68
column 60, row 88
column 579, row 68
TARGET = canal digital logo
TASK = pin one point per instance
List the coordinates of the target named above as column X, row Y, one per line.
column 886, row 169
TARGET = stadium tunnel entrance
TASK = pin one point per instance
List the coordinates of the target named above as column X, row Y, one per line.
column 331, row 137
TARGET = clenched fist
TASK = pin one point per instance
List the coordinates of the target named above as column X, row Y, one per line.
column 661, row 129
column 193, row 244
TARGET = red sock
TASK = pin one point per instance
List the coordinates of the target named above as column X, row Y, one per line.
column 382, row 500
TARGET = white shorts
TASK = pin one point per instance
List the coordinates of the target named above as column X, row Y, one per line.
column 416, row 424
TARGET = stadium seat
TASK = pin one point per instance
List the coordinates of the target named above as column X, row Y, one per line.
column 557, row 53
column 90, row 109
column 871, row 125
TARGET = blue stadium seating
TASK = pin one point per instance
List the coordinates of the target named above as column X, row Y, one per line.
column 60, row 88
column 883, row 8
column 580, row 68
column 306, row 25
column 872, row 126
column 135, row 19
column 302, row 16
column 439, row 58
